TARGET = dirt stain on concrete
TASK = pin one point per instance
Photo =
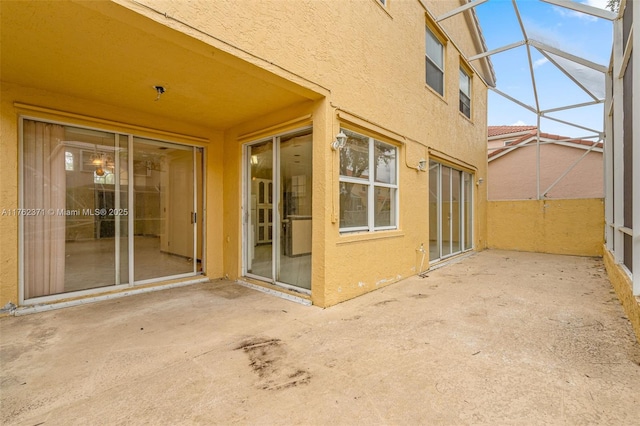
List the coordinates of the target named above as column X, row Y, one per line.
column 268, row 359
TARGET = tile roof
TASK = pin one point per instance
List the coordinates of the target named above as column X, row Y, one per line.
column 531, row 137
column 504, row 130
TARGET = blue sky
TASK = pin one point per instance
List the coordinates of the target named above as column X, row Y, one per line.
column 578, row 34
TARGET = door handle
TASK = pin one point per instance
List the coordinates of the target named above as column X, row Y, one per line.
column 193, row 217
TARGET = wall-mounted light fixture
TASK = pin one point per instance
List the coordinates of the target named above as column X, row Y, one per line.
column 480, row 181
column 422, row 165
column 341, row 140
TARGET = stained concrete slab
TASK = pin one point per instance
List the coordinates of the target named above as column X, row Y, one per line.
column 496, row 338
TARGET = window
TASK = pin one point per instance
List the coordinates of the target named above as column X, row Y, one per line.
column 465, row 93
column 368, row 184
column 435, row 62
column 68, row 161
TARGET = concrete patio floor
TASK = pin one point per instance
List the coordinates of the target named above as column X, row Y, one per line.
column 496, row 338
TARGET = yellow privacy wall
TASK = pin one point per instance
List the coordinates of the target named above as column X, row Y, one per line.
column 573, row 227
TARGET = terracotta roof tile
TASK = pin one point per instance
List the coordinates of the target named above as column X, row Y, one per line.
column 531, row 137
column 504, row 130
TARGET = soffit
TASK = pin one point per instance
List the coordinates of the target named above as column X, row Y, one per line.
column 107, row 53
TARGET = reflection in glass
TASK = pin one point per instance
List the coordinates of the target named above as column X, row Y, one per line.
column 456, row 233
column 434, row 210
column 385, row 163
column 260, row 230
column 385, row 206
column 163, row 176
column 70, row 243
column 296, row 193
column 353, row 205
column 450, row 211
column 354, row 157
column 446, row 210
column 468, row 219
column 78, row 181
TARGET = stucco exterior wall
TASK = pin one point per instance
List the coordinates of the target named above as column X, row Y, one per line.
column 351, row 64
column 513, row 175
column 574, row 227
column 99, row 116
column 376, row 84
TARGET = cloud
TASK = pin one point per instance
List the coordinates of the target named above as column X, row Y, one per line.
column 602, row 4
column 519, row 123
column 568, row 13
column 540, row 62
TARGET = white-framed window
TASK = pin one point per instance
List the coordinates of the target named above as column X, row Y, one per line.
column 434, row 60
column 368, row 184
column 465, row 93
column 68, row 161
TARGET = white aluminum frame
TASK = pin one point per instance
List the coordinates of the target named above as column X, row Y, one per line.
column 612, row 120
column 132, row 284
column 462, row 219
column 444, row 60
column 245, row 210
column 371, row 184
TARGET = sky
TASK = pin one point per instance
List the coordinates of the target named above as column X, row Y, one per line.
column 573, row 32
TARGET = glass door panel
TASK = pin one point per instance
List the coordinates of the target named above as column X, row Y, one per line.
column 77, row 184
column 434, row 210
column 450, row 211
column 446, row 210
column 163, row 225
column 468, row 222
column 295, row 194
column 69, row 189
column 259, row 244
column 456, row 231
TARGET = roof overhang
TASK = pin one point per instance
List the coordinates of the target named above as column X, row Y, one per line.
column 108, row 53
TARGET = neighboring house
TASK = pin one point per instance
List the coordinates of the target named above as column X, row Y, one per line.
column 316, row 149
column 568, row 168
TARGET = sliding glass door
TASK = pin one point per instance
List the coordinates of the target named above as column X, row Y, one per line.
column 277, row 242
column 105, row 209
column 450, row 211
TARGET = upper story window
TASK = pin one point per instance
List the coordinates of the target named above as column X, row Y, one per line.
column 465, row 93
column 368, row 184
column 434, row 62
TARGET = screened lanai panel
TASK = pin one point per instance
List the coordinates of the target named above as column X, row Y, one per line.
column 627, row 149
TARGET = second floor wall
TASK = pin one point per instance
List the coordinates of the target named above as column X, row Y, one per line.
column 369, row 56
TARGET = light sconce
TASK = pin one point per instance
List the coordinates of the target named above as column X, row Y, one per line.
column 422, row 165
column 341, row 140
column 480, row 181
column 254, row 159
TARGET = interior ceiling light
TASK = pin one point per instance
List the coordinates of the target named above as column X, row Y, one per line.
column 159, row 90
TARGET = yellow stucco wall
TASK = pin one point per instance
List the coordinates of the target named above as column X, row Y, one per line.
column 377, row 88
column 624, row 289
column 574, row 227
column 75, row 111
column 373, row 84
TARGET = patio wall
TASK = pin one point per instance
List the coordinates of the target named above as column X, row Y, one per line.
column 621, row 283
column 574, row 227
